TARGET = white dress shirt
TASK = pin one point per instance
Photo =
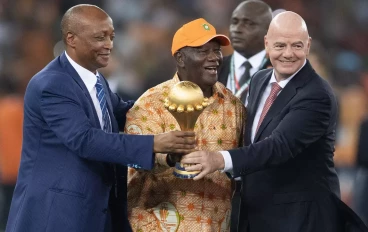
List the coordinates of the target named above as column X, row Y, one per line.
column 282, row 84
column 90, row 80
column 255, row 61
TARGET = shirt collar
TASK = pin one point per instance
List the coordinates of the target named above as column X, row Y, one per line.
column 283, row 83
column 256, row 60
column 88, row 77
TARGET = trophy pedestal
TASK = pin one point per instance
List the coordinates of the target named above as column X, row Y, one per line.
column 180, row 172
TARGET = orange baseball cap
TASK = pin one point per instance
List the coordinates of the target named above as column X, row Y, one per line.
column 195, row 34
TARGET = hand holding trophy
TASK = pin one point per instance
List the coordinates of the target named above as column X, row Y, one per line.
column 185, row 102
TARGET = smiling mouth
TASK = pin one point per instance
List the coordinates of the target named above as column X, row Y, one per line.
column 211, row 70
column 236, row 40
column 287, row 61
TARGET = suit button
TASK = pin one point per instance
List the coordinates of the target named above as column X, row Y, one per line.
column 104, row 210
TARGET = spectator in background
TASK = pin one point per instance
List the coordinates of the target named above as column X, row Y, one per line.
column 248, row 26
column 190, row 206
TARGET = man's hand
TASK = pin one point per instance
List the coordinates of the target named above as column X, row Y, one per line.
column 205, row 161
column 174, row 142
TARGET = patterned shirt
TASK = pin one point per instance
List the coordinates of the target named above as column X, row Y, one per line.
column 157, row 200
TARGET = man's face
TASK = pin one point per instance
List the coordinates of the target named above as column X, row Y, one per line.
column 93, row 43
column 287, row 49
column 247, row 29
column 202, row 63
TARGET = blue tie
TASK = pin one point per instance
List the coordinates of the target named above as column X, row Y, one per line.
column 103, row 104
column 106, row 119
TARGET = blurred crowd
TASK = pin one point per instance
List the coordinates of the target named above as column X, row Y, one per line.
column 30, row 37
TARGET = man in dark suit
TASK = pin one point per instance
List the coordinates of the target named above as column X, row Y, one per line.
column 71, row 176
column 248, row 26
column 288, row 178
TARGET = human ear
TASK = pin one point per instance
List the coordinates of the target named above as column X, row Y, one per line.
column 266, row 44
column 70, row 39
column 179, row 58
column 309, row 45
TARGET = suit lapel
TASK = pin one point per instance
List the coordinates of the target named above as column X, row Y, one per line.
column 69, row 68
column 285, row 96
column 257, row 90
column 282, row 99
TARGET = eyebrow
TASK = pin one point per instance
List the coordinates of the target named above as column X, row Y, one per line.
column 279, row 43
column 299, row 42
column 282, row 43
column 244, row 19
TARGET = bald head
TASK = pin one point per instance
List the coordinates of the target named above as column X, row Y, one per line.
column 287, row 44
column 77, row 16
column 249, row 24
column 287, row 23
column 258, row 7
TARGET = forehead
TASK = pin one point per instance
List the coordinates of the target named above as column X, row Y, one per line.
column 288, row 35
column 247, row 11
column 94, row 25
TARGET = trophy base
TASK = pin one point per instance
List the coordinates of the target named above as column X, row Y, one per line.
column 180, row 172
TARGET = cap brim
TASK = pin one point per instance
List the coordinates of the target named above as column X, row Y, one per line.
column 223, row 39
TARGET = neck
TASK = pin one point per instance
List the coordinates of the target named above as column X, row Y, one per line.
column 207, row 92
column 72, row 56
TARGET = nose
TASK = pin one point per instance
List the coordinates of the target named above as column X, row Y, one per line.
column 109, row 44
column 234, row 28
column 288, row 52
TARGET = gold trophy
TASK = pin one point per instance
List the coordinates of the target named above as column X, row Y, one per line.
column 185, row 102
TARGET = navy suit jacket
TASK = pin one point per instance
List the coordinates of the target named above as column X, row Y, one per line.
column 288, row 178
column 66, row 174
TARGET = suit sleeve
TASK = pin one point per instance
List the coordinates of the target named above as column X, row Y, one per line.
column 65, row 117
column 307, row 121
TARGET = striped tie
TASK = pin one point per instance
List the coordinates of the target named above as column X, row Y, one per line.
column 102, row 100
column 275, row 89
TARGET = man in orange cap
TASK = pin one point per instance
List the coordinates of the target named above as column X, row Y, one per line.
column 157, row 200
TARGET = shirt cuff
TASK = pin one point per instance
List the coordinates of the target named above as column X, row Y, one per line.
column 228, row 167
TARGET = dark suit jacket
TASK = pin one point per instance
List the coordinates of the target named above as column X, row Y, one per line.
column 288, row 176
column 224, row 71
column 66, row 176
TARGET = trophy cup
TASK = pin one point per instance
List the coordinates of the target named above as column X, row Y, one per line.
column 185, row 102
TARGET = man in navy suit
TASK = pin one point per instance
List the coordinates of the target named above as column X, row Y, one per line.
column 71, row 175
column 289, row 182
